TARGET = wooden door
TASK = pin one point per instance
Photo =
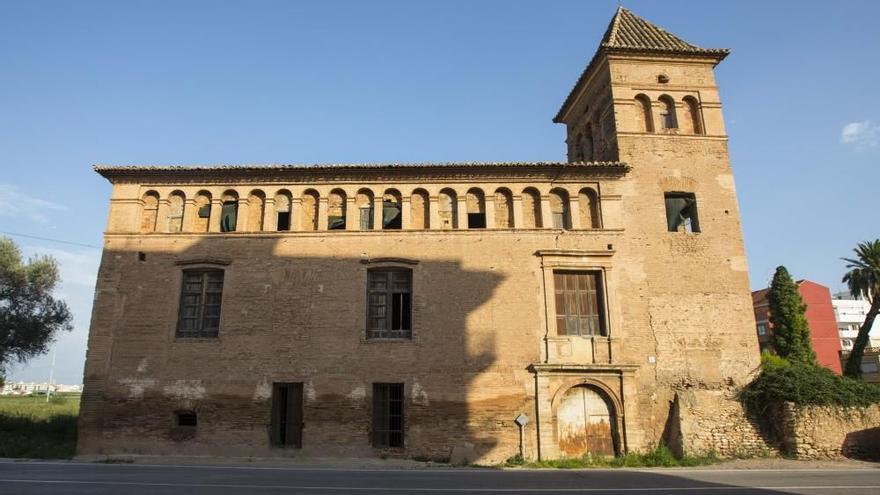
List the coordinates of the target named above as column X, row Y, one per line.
column 584, row 423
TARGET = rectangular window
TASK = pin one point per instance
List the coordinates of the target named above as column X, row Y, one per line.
column 200, row 303
column 287, row 414
column 387, row 415
column 187, row 418
column 681, row 212
column 389, row 303
column 579, row 303
column 283, row 220
column 762, row 329
column 228, row 215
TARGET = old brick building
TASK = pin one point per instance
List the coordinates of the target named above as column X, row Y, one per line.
column 417, row 310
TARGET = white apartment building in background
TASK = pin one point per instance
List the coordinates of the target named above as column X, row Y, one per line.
column 28, row 388
column 850, row 314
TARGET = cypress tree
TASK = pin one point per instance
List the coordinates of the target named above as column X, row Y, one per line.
column 791, row 332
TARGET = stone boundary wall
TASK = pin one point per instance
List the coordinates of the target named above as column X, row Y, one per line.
column 815, row 432
column 714, row 421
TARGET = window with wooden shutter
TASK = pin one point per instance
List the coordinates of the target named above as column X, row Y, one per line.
column 200, row 300
column 579, row 303
column 389, row 304
column 387, row 415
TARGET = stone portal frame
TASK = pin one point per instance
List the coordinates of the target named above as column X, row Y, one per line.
column 575, row 348
column 552, row 381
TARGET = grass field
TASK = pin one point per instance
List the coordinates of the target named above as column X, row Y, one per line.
column 31, row 427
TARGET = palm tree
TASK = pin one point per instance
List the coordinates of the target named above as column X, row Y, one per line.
column 863, row 279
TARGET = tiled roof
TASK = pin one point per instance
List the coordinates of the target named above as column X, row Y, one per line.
column 628, row 32
column 118, row 170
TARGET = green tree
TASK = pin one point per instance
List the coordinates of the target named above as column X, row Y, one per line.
column 29, row 315
column 863, row 279
column 791, row 332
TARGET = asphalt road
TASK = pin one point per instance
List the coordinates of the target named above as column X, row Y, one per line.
column 24, row 478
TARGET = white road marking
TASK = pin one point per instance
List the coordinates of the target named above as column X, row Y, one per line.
column 436, row 490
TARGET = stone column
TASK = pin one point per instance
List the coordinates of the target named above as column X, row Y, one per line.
column 462, row 211
column 189, row 214
column 241, row 216
column 377, row 213
column 517, row 212
column 405, row 212
column 296, row 214
column 574, row 212
column 270, row 219
column 433, row 212
column 352, row 213
column 216, row 209
column 322, row 213
column 489, row 205
column 546, row 214
column 162, row 215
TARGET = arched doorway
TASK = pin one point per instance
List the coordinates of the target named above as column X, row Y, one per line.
column 585, row 422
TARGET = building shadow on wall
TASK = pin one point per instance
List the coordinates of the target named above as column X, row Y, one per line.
column 863, row 445
column 289, row 315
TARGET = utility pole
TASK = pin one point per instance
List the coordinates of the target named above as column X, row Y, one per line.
column 51, row 372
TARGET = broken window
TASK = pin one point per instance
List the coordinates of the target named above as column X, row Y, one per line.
column 186, row 419
column 476, row 209
column 336, row 210
column 150, row 211
column 419, row 212
column 228, row 216
column 531, row 206
column 364, row 200
column 503, row 209
column 175, row 212
column 389, row 297
column 667, row 113
column 256, row 208
column 559, row 208
column 202, row 220
column 200, row 300
column 448, row 209
column 309, row 220
column 681, row 212
column 579, row 303
column 644, row 118
column 282, row 210
column 391, row 217
column 287, row 414
column 387, row 415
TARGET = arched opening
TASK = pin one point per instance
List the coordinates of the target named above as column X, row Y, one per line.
column 476, row 209
column 336, row 210
column 587, row 146
column 531, row 206
column 201, row 222
column 283, row 202
column 229, row 212
column 668, row 119
column 448, row 209
column 693, row 122
column 174, row 218
column 578, row 155
column 309, row 210
column 419, row 210
column 256, row 209
column 149, row 211
column 503, row 209
column 644, row 117
column 391, row 217
column 585, row 422
column 588, row 204
column 364, row 202
column 559, row 209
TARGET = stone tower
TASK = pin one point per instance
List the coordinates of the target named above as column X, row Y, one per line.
column 649, row 99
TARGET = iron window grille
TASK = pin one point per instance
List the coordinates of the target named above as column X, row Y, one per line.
column 387, row 415
column 389, row 304
column 200, row 299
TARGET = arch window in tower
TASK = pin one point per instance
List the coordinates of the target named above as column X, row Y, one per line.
column 644, row 118
column 692, row 122
column 668, row 119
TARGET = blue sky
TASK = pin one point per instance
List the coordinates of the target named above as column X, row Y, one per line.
column 175, row 82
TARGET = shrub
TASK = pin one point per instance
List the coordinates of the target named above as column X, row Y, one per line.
column 804, row 384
